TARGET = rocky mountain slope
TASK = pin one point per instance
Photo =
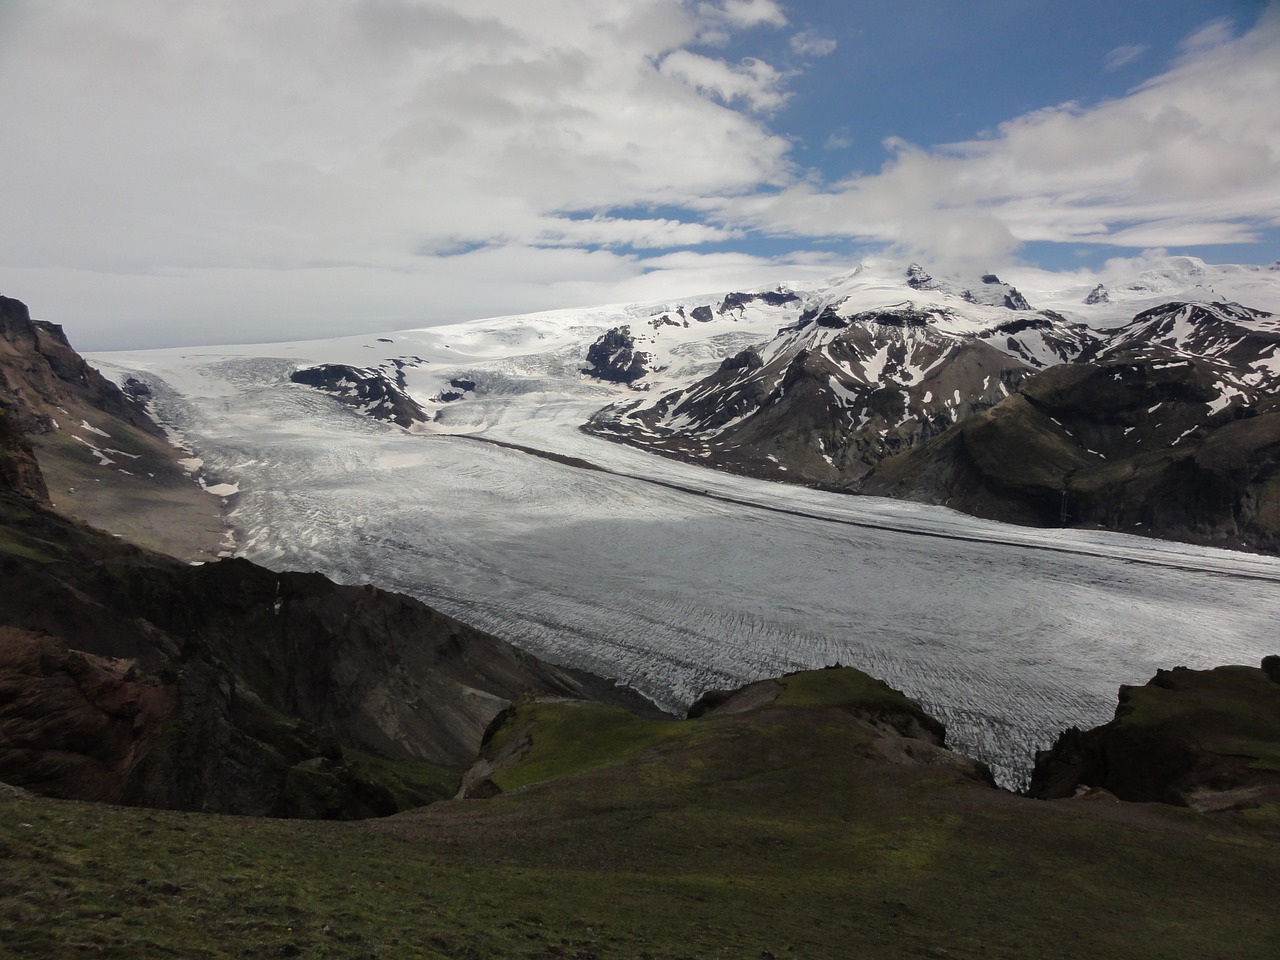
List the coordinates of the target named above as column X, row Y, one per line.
column 133, row 677
column 1162, row 424
column 828, row 399
column 103, row 458
column 1168, row 425
column 369, row 390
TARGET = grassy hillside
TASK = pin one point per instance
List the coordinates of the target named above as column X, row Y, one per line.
column 794, row 821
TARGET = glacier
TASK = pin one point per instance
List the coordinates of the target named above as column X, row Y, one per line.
column 671, row 577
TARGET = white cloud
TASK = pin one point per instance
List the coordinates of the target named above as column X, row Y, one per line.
column 747, row 13
column 396, row 162
column 840, row 138
column 156, row 139
column 639, row 234
column 753, row 81
column 1190, row 157
column 1122, row 56
column 811, row 43
column 1216, row 33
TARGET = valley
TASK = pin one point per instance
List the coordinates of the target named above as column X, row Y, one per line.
column 672, row 577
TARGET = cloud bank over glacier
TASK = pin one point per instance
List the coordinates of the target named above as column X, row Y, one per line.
column 237, row 170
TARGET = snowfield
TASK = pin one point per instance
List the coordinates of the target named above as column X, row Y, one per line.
column 671, row 577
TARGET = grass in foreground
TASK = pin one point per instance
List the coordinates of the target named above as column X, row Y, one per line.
column 773, row 833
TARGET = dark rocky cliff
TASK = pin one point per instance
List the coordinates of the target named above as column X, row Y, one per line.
column 1208, row 739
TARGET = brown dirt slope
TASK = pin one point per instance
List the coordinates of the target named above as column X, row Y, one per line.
column 103, row 458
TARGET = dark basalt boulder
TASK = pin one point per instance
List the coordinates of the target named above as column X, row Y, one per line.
column 614, row 357
column 367, row 389
column 1206, row 739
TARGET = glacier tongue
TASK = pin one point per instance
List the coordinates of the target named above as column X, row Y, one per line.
column 675, row 578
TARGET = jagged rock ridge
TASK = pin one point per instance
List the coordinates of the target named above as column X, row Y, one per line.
column 1170, row 425
column 839, row 391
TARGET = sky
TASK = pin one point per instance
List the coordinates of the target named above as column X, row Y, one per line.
column 238, row 170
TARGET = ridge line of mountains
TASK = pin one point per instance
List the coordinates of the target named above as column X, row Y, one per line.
column 1165, row 422
column 1168, row 425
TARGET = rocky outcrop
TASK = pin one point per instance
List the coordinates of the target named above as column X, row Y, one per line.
column 748, row 359
column 102, row 457
column 19, row 471
column 995, row 292
column 1206, row 739
column 736, row 302
column 459, row 387
column 919, row 279
column 73, row 724
column 1097, row 295
column 876, row 724
column 614, row 357
column 40, row 372
column 368, row 390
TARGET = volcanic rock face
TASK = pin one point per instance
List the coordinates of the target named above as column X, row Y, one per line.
column 102, row 457
column 614, row 356
column 1207, row 739
column 19, row 471
column 72, row 723
column 367, row 389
